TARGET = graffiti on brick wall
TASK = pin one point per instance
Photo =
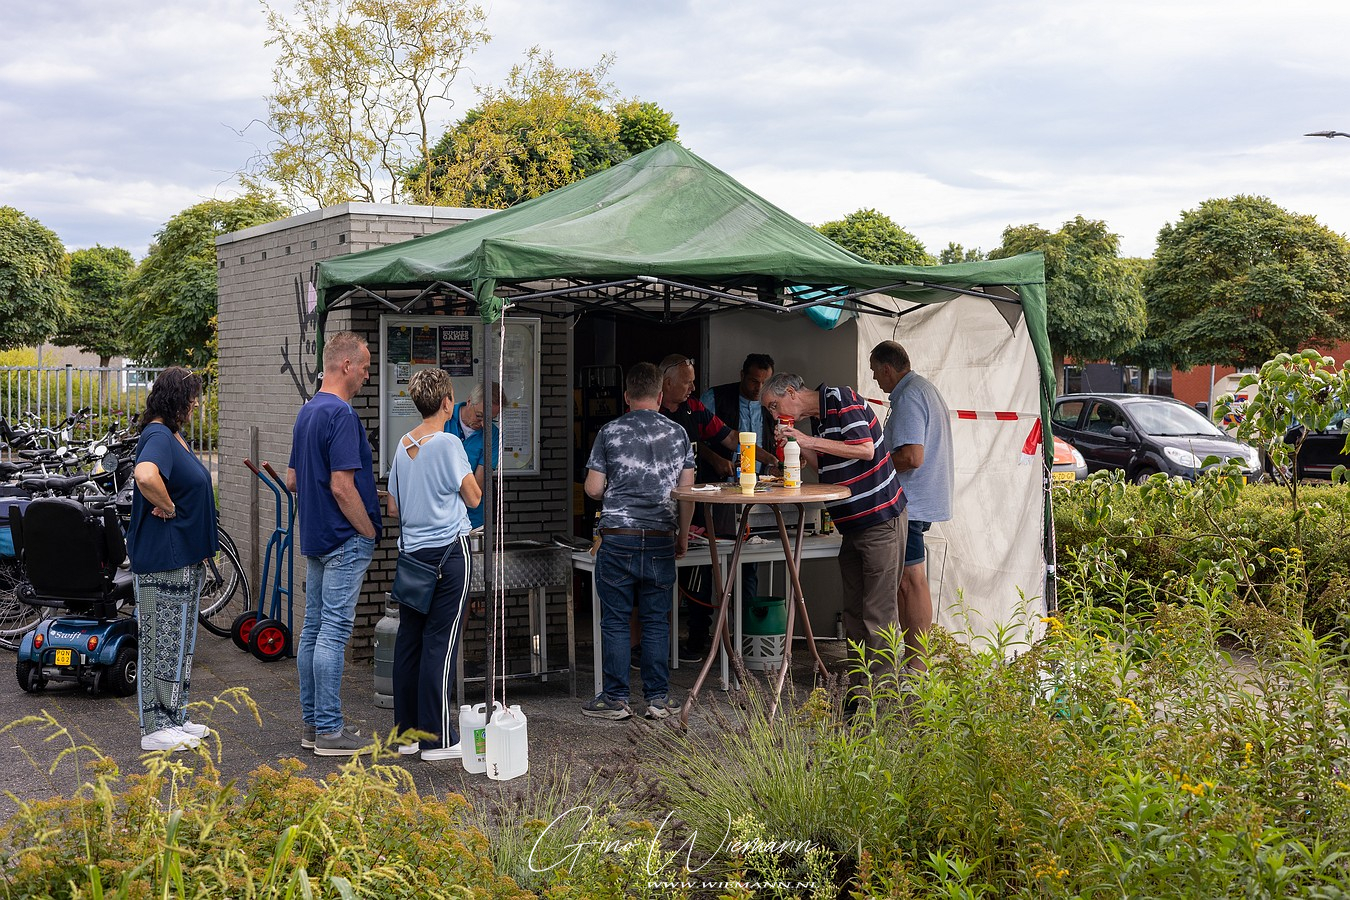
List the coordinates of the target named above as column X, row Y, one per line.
column 301, row 368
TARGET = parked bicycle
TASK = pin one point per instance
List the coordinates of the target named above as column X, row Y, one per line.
column 106, row 479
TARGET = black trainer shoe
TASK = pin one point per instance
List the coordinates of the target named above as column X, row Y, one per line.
column 604, row 708
column 692, row 652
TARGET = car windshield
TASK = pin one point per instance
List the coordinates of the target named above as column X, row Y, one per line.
column 1165, row 419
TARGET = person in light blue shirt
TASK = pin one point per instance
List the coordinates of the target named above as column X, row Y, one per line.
column 919, row 433
column 431, row 488
column 466, row 423
column 737, row 404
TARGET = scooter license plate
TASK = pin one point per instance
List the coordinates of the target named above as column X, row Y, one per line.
column 63, row 657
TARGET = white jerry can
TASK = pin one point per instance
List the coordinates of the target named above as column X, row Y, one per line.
column 508, row 753
column 473, row 737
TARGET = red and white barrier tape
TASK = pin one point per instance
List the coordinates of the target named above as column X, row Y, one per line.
column 1031, row 447
column 992, row 415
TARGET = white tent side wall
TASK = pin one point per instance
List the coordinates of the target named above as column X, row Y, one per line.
column 987, row 565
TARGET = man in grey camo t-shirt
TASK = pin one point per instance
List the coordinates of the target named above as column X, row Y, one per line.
column 637, row 460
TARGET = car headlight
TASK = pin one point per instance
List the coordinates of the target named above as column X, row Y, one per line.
column 1252, row 456
column 1184, row 458
column 1078, row 460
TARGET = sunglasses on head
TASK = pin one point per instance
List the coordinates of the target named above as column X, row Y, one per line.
column 675, row 365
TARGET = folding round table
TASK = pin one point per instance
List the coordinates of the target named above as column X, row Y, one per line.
column 773, row 496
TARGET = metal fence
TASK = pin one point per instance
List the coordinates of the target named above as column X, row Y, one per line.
column 47, row 396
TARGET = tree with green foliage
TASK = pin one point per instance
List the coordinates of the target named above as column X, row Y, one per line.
column 1095, row 308
column 1237, row 281
column 547, row 127
column 1302, row 389
column 34, row 280
column 171, row 305
column 642, row 126
column 1152, row 351
column 357, row 85
column 96, row 322
column 955, row 253
column 877, row 239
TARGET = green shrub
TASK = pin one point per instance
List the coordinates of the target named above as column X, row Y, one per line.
column 1168, row 529
column 1125, row 754
column 179, row 829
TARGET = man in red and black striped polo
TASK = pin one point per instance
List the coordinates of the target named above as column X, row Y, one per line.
column 848, row 448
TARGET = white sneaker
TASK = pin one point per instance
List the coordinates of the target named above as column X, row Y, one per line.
column 436, row 753
column 169, row 739
column 192, row 728
column 408, row 749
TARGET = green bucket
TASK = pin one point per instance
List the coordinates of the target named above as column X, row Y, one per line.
column 765, row 615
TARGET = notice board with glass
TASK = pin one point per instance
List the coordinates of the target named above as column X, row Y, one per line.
column 455, row 344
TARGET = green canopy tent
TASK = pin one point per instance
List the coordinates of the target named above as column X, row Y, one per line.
column 664, row 236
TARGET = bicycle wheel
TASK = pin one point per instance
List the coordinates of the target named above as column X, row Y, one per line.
column 226, row 540
column 225, row 591
column 16, row 619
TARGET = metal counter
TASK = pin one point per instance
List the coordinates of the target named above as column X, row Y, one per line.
column 530, row 566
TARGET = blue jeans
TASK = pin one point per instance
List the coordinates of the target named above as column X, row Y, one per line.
column 332, row 586
column 631, row 570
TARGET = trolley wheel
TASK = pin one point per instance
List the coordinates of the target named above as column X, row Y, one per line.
column 270, row 640
column 242, row 629
column 30, row 676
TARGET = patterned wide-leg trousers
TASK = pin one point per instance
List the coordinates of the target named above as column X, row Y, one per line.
column 166, row 609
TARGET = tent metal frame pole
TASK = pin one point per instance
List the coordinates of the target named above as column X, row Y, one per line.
column 627, row 298
column 490, row 478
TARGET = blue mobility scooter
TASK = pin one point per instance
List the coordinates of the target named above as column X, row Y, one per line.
column 71, row 557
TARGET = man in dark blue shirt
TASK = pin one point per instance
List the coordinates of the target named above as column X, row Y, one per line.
column 331, row 473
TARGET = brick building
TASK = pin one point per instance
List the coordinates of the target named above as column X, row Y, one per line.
column 1193, row 387
column 267, row 328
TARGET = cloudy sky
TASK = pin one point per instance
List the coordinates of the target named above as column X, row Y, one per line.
column 955, row 119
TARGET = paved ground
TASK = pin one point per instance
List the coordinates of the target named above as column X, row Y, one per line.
column 557, row 730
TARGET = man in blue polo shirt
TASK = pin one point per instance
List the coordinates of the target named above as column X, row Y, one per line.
column 848, row 448
column 919, row 434
column 467, row 423
column 330, row 471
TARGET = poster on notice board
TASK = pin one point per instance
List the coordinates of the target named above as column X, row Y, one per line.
column 410, row 343
column 457, row 350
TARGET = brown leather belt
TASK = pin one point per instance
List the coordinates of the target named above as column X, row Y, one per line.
column 637, row 532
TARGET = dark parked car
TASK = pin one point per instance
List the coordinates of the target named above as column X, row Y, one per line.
column 1322, row 451
column 1142, row 435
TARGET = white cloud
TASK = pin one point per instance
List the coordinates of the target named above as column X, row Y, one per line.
column 955, row 120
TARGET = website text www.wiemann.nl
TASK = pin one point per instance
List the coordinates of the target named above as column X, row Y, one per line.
column 673, row 863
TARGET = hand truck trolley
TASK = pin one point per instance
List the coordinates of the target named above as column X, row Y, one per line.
column 263, row 633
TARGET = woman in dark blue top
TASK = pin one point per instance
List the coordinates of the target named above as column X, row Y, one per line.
column 172, row 532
